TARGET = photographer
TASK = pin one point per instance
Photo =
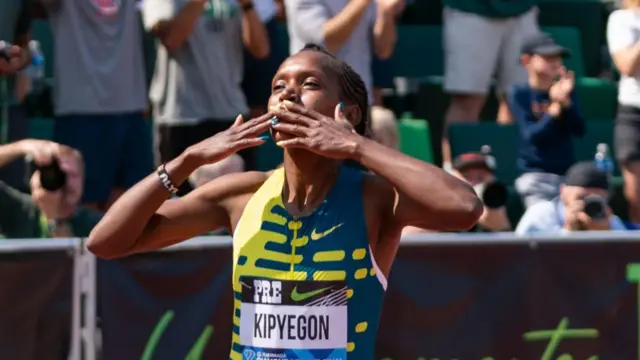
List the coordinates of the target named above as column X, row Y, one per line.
column 477, row 169
column 45, row 213
column 581, row 206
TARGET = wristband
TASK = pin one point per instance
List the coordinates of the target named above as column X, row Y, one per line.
column 163, row 175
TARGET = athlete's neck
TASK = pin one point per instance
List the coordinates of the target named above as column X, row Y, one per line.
column 308, row 179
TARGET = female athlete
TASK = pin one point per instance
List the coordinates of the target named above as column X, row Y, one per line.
column 314, row 240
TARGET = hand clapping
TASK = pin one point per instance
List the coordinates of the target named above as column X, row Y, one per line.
column 560, row 91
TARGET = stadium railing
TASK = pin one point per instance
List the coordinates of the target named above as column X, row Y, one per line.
column 79, row 291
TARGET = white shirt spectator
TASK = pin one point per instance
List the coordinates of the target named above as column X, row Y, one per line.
column 623, row 31
column 266, row 10
column 547, row 217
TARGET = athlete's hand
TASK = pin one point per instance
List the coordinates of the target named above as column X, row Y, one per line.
column 241, row 135
column 331, row 137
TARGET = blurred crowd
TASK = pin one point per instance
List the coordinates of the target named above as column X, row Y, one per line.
column 215, row 61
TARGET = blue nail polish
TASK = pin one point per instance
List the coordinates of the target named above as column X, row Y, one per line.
column 264, row 137
column 341, row 106
column 274, row 121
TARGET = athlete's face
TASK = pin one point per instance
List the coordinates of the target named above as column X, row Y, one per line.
column 306, row 78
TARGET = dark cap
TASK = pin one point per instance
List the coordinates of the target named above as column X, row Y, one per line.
column 586, row 174
column 473, row 160
column 543, row 44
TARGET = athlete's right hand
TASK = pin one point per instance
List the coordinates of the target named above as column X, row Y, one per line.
column 241, row 135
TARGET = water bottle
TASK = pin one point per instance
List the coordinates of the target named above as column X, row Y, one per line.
column 36, row 69
column 603, row 158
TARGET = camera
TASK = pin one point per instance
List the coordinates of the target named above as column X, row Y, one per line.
column 494, row 194
column 595, row 206
column 52, row 178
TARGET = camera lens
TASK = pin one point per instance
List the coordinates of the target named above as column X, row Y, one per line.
column 494, row 195
column 52, row 178
column 595, row 206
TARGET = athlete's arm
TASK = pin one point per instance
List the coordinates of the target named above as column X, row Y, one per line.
column 142, row 219
column 423, row 195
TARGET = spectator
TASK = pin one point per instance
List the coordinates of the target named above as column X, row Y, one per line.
column 258, row 73
column 384, row 127
column 482, row 38
column 100, row 93
column 347, row 28
column 547, row 117
column 477, row 170
column 624, row 44
column 14, row 29
column 196, row 89
column 44, row 213
column 583, row 184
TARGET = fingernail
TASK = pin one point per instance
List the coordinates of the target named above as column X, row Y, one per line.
column 341, row 106
column 264, row 137
column 287, row 103
column 279, row 143
column 274, row 121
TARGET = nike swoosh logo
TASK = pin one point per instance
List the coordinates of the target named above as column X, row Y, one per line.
column 296, row 296
column 317, row 236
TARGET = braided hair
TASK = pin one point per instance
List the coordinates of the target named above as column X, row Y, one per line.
column 353, row 88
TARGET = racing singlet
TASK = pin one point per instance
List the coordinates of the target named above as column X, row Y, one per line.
column 305, row 287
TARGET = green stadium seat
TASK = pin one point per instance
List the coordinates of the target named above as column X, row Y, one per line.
column 415, row 139
column 281, row 46
column 598, row 98
column 569, row 37
column 502, row 140
column 418, row 52
column 598, row 131
column 589, row 17
column 40, row 128
column 41, row 31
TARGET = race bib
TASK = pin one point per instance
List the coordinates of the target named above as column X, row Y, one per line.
column 293, row 320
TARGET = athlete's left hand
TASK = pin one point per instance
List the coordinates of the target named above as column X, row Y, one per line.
column 330, row 137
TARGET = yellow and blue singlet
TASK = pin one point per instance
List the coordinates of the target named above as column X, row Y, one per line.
column 305, row 287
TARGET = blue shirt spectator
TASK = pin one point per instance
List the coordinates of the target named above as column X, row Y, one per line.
column 585, row 186
column 548, row 217
column 545, row 141
column 547, row 116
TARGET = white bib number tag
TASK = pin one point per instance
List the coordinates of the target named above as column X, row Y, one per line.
column 293, row 320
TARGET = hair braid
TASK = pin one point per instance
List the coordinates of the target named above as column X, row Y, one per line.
column 353, row 88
